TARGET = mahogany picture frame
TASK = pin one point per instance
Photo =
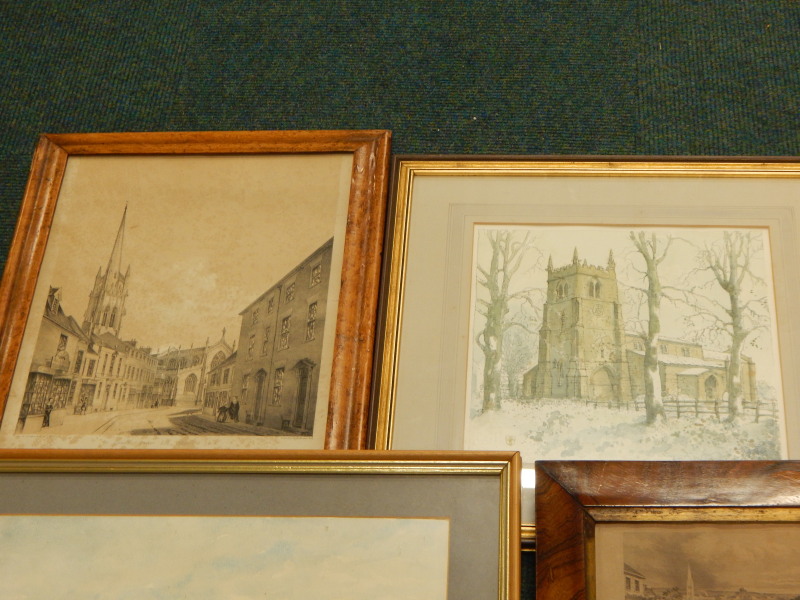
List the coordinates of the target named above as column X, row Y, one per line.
column 360, row 185
column 574, row 498
column 481, row 542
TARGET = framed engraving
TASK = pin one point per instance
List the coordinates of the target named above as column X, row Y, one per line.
column 592, row 308
column 232, row 523
column 694, row 529
column 194, row 290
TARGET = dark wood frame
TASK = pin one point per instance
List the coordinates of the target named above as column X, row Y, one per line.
column 478, row 492
column 572, row 497
column 356, row 321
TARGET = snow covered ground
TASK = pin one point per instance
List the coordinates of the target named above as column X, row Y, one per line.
column 558, row 429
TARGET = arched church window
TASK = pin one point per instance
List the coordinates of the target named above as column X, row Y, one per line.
column 217, row 360
column 105, row 316
column 191, row 383
column 113, row 320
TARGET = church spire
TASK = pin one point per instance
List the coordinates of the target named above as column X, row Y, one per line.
column 106, row 306
column 115, row 260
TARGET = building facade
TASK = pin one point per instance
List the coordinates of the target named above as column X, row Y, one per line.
column 584, row 352
column 276, row 376
column 182, row 374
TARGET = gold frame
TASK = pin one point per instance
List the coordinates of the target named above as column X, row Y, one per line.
column 310, row 483
column 573, row 497
column 410, row 172
column 348, row 408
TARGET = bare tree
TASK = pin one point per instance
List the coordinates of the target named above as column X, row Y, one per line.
column 507, row 254
column 518, row 347
column 654, row 252
column 730, row 262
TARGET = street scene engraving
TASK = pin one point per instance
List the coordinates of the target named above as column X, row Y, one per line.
column 81, row 373
column 204, row 316
column 222, row 558
column 621, row 342
column 713, row 562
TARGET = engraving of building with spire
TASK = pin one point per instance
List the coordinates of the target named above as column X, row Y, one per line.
column 582, row 338
column 106, row 306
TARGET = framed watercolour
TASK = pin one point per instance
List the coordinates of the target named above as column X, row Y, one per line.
column 245, row 524
column 592, row 308
column 194, row 290
column 630, row 529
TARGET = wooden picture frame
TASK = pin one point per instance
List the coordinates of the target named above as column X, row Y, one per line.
column 474, row 544
column 214, row 225
column 580, row 213
column 578, row 501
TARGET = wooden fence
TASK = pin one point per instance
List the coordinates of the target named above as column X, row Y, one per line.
column 685, row 408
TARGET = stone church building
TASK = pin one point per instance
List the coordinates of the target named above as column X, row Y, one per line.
column 585, row 352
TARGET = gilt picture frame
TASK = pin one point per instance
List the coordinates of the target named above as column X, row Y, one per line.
column 194, row 290
column 656, row 529
column 298, row 524
column 582, row 221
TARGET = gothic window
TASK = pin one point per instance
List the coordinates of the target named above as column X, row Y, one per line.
column 78, row 361
column 285, row 327
column 316, row 275
column 217, row 360
column 311, row 321
column 270, row 304
column 113, row 320
column 290, row 292
column 277, row 386
column 251, row 345
column 190, row 383
column 255, row 315
column 105, row 316
column 62, row 342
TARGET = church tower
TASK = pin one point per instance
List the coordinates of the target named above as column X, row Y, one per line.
column 107, row 299
column 582, row 340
